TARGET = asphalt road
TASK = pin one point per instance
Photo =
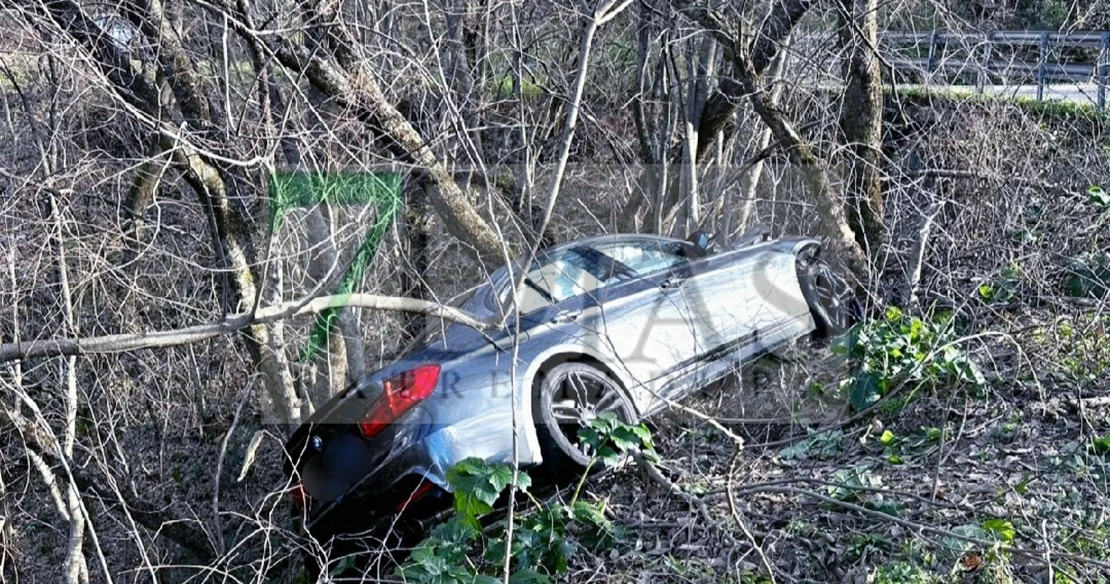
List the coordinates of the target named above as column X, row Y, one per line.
column 1081, row 93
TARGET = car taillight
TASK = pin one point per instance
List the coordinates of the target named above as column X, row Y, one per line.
column 298, row 495
column 420, row 491
column 399, row 394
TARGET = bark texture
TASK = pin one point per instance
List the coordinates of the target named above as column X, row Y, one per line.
column 769, row 39
column 861, row 119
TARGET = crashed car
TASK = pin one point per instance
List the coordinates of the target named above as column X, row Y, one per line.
column 620, row 323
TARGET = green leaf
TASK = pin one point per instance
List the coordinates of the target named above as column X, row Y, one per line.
column 1098, row 197
column 590, row 514
column 892, row 508
column 867, row 388
column 796, row 450
column 1101, row 445
column 500, row 476
column 478, row 485
column 1000, row 529
column 847, row 481
column 972, row 531
column 886, row 438
column 625, row 440
column 529, row 577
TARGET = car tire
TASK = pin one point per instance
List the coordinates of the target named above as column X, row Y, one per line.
column 830, row 298
column 566, row 398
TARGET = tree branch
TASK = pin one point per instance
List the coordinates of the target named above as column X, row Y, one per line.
column 193, row 334
column 352, row 84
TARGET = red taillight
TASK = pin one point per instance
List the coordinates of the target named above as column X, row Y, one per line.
column 399, row 394
column 420, row 491
column 298, row 495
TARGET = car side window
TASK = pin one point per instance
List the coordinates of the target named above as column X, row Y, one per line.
column 573, row 272
column 647, row 257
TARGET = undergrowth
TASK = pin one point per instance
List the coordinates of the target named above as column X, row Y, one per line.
column 544, row 535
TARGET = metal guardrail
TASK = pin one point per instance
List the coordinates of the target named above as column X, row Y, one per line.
column 981, row 55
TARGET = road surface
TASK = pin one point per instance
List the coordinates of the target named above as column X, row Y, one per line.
column 1078, row 93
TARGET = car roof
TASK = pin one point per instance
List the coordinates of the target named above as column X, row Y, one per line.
column 604, row 239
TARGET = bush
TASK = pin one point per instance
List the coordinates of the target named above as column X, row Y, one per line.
column 901, row 348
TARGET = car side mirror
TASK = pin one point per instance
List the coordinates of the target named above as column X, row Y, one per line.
column 702, row 242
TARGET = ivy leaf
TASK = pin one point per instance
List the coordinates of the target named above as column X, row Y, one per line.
column 529, row 577
column 500, row 476
column 892, row 508
column 590, row 514
column 625, row 440
column 590, row 437
column 972, row 531
column 477, row 486
column 642, row 432
column 867, row 388
column 1098, row 197
column 1001, row 529
column 1101, row 445
column 846, row 482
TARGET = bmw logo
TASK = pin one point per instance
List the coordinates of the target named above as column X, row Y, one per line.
column 317, row 443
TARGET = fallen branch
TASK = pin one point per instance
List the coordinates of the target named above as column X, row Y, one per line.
column 1095, row 402
column 193, row 334
column 673, row 488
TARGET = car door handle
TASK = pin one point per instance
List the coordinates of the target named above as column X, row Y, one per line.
column 564, row 316
column 672, row 282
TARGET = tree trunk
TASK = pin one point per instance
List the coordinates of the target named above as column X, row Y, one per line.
column 831, row 221
column 861, row 119
column 461, row 48
column 749, row 181
column 416, row 240
column 229, row 230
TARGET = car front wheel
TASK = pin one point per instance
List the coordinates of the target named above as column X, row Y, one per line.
column 831, row 300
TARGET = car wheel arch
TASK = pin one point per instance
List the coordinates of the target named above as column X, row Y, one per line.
column 800, row 246
column 577, row 357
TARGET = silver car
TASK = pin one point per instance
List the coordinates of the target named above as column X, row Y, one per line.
column 621, row 323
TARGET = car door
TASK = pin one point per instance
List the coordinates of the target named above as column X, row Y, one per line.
column 647, row 321
column 709, row 303
column 740, row 297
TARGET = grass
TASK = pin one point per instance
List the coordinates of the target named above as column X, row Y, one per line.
column 1065, row 110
